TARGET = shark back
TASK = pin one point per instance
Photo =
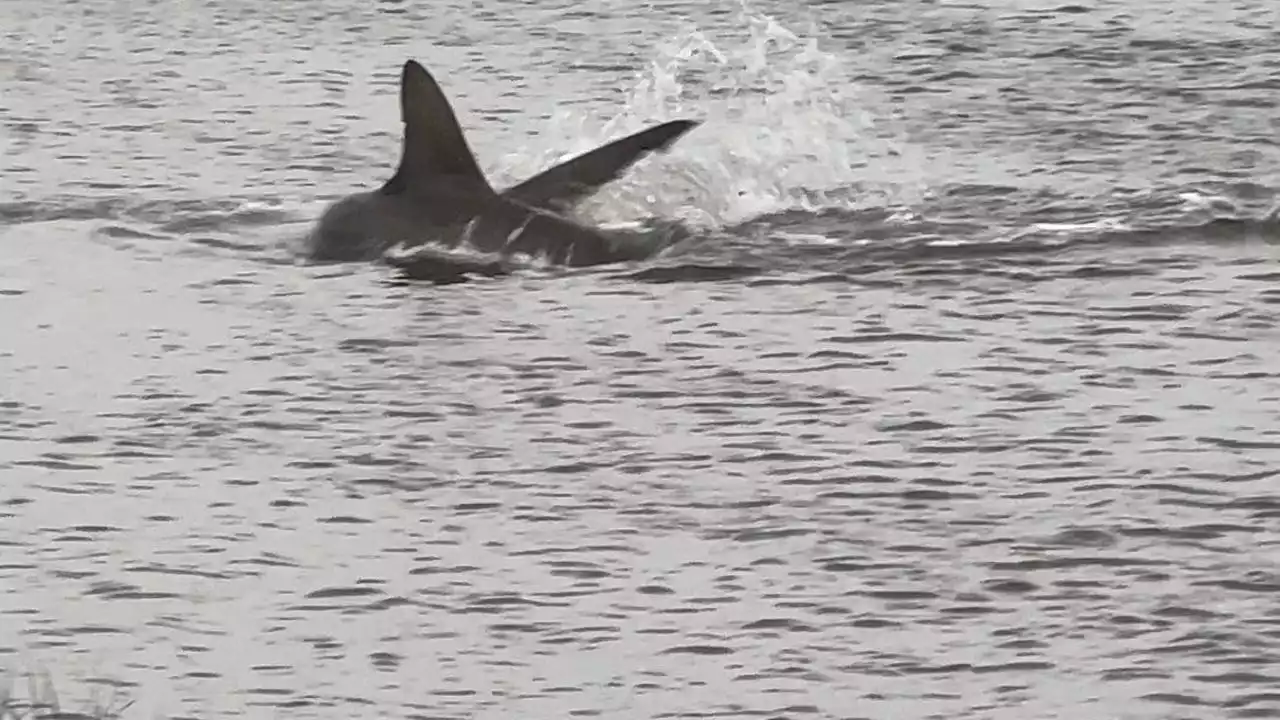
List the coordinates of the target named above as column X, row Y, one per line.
column 504, row 227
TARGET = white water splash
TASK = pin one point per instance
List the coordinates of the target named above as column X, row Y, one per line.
column 785, row 128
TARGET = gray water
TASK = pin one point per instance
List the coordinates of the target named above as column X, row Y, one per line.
column 964, row 405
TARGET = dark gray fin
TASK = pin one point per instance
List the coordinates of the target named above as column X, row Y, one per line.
column 434, row 148
column 563, row 186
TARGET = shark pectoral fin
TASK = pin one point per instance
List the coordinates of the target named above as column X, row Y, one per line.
column 570, row 182
column 435, row 149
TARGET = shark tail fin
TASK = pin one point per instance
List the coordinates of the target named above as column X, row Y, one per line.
column 563, row 186
column 434, row 148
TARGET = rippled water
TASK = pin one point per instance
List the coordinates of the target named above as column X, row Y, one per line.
column 965, row 405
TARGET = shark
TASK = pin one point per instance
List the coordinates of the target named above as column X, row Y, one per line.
column 438, row 199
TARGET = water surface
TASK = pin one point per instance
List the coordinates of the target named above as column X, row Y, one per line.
column 965, row 406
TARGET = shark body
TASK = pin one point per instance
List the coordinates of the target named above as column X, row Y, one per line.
column 438, row 198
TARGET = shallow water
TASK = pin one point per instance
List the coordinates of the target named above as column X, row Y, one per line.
column 965, row 407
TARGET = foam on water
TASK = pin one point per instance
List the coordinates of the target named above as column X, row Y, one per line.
column 784, row 128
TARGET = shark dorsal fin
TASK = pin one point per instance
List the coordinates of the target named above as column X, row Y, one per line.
column 561, row 187
column 435, row 149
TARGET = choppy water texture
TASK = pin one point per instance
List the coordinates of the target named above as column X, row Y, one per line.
column 966, row 406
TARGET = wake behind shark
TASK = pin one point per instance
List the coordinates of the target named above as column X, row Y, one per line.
column 439, row 197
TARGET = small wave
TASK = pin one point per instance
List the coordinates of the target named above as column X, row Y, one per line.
column 168, row 216
column 691, row 272
column 988, row 220
column 58, row 209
